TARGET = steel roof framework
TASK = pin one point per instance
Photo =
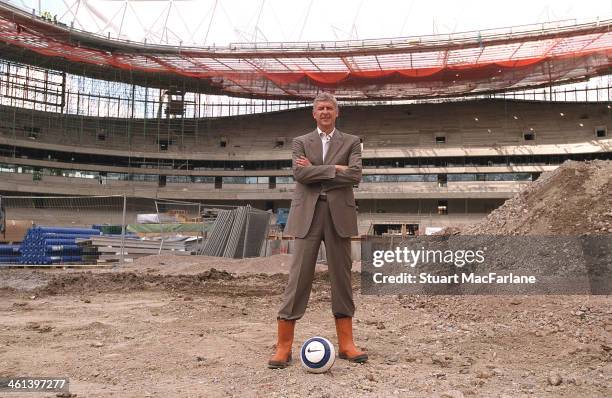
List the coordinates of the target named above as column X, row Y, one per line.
column 407, row 68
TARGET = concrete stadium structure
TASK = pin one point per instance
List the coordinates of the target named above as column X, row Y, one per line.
column 431, row 164
column 467, row 156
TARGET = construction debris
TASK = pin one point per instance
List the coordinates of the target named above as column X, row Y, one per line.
column 238, row 233
column 108, row 248
column 574, row 199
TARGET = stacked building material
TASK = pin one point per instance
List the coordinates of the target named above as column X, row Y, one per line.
column 256, row 233
column 9, row 254
column 52, row 245
column 235, row 243
column 217, row 238
column 237, row 233
column 108, row 248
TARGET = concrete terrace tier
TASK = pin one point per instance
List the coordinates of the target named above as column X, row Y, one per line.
column 471, row 128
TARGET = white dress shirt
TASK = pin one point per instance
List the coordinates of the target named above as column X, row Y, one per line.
column 325, row 138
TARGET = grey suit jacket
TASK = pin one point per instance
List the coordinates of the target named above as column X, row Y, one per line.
column 344, row 149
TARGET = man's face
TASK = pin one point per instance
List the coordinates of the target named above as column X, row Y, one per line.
column 325, row 113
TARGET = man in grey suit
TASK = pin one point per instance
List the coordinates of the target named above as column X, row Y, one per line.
column 326, row 166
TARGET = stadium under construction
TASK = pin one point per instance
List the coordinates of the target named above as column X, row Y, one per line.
column 451, row 126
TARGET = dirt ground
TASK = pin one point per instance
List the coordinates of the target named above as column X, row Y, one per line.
column 172, row 327
column 177, row 326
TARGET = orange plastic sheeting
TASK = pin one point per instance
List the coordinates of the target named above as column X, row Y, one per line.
column 422, row 72
column 520, row 63
column 328, row 77
column 246, row 73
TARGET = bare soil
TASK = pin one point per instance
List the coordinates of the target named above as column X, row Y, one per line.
column 169, row 326
column 164, row 328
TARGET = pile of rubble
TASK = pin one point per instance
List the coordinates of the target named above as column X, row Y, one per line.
column 574, row 199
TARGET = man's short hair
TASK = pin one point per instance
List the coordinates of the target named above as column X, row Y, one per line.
column 327, row 97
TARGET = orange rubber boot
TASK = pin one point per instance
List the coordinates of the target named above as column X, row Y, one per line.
column 282, row 358
column 346, row 346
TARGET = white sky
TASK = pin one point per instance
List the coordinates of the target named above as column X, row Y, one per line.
column 220, row 22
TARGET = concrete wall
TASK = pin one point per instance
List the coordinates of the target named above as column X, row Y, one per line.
column 470, row 124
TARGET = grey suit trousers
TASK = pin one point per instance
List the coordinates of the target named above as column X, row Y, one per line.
column 301, row 273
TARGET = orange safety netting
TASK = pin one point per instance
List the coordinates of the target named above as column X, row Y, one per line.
column 442, row 69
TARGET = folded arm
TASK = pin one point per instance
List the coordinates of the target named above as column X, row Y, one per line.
column 309, row 174
column 346, row 176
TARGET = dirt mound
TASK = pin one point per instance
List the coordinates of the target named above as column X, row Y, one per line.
column 89, row 282
column 574, row 199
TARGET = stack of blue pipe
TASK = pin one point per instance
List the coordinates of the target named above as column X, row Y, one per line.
column 9, row 254
column 51, row 245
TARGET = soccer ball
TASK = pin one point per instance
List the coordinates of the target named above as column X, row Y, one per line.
column 317, row 354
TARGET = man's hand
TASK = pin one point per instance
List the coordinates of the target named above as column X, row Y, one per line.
column 340, row 167
column 302, row 161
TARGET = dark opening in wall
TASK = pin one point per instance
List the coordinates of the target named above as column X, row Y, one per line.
column 529, row 136
column 163, row 144
column 440, row 139
column 272, row 182
column 218, row 182
column 387, row 229
column 442, row 180
column 161, row 181
column 223, row 142
column 601, row 132
column 101, row 137
column 279, row 143
column 412, row 229
column 442, row 207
